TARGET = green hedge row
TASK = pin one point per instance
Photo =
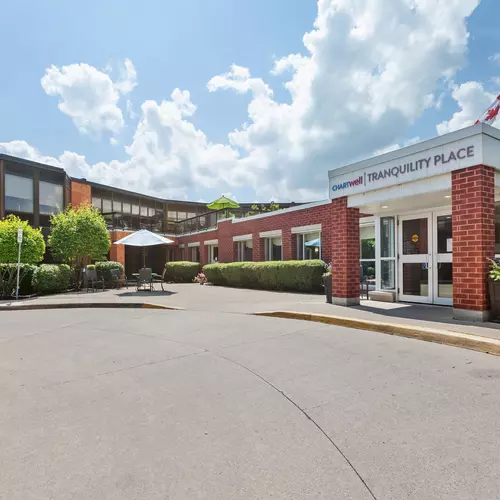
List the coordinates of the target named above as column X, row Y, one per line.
column 43, row 279
column 293, row 275
column 181, row 272
column 51, row 278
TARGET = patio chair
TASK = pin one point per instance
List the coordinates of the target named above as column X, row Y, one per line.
column 93, row 280
column 145, row 280
column 117, row 280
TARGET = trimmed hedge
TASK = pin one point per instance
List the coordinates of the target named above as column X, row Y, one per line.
column 51, row 278
column 8, row 279
column 293, row 275
column 181, row 272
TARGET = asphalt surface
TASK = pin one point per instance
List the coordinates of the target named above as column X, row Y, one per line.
column 141, row 404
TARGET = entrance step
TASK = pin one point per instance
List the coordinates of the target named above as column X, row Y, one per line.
column 382, row 296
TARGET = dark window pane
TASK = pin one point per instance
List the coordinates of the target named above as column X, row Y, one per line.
column 18, row 193
column 415, row 236
column 444, row 234
column 51, row 197
column 415, row 279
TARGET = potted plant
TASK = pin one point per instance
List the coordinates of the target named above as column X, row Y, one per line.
column 494, row 288
column 327, row 283
column 201, row 279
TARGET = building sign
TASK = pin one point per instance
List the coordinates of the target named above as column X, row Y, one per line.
column 435, row 161
column 414, row 238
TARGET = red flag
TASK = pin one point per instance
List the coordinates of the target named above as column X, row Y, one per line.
column 491, row 114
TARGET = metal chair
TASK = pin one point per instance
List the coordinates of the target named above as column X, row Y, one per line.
column 145, row 280
column 93, row 280
column 117, row 280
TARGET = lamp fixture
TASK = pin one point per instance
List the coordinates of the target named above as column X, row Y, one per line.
column 385, row 206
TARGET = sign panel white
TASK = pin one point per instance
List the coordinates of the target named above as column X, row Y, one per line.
column 20, row 235
column 435, row 161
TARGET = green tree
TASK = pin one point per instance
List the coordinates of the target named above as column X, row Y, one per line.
column 32, row 248
column 79, row 235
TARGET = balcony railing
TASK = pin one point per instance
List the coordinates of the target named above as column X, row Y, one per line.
column 126, row 222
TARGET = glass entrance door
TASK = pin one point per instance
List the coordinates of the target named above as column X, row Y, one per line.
column 415, row 258
column 442, row 256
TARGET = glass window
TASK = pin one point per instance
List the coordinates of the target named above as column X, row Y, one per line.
column 195, row 254
column 190, row 215
column 444, row 234
column 213, row 253
column 151, row 212
column 367, row 242
column 106, row 206
column 51, row 197
column 172, row 215
column 309, row 246
column 135, row 209
column 181, row 216
column 117, row 206
column 245, row 251
column 126, row 208
column 273, row 248
column 97, row 202
column 182, row 254
column 387, row 247
column 144, row 211
column 388, row 275
column 18, row 193
column 497, row 228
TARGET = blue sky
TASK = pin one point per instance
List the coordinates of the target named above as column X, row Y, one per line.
column 185, row 44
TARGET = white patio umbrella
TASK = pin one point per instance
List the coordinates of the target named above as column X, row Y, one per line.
column 143, row 238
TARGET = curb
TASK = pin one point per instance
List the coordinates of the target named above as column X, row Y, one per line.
column 446, row 337
column 89, row 305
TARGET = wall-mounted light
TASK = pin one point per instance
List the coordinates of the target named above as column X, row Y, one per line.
column 385, row 206
column 448, row 196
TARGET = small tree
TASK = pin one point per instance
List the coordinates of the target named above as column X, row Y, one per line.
column 32, row 248
column 79, row 235
column 32, row 252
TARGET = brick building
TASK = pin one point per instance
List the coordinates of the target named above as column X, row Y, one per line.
column 434, row 221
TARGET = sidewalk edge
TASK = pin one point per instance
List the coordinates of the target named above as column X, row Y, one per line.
column 89, row 305
column 448, row 337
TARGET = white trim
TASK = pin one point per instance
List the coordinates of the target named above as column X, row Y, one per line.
column 182, row 245
column 243, row 237
column 271, row 234
column 312, row 228
column 211, row 242
column 306, row 206
column 194, row 244
column 203, row 231
column 368, row 221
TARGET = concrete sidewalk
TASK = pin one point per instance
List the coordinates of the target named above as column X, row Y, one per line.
column 241, row 301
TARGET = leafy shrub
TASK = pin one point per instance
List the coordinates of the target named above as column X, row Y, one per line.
column 33, row 245
column 294, row 275
column 104, row 270
column 50, row 278
column 8, row 280
column 181, row 272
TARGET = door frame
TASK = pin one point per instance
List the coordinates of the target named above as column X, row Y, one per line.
column 419, row 259
column 439, row 258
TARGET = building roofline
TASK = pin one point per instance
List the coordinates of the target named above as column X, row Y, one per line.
column 30, row 163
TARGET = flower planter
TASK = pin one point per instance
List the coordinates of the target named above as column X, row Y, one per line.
column 494, row 289
column 327, row 283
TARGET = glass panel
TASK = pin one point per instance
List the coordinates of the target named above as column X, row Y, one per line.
column 497, row 227
column 97, row 202
column 181, row 216
column 367, row 242
column 416, row 279
column 300, row 247
column 18, row 193
column 387, row 225
column 415, row 236
column 151, row 212
column 444, row 234
column 276, row 248
column 368, row 270
column 117, row 206
column 388, row 278
column 312, row 246
column 51, row 198
column 248, row 251
column 126, row 208
column 135, row 209
column 106, row 206
column 172, row 215
column 144, row 210
column 215, row 254
column 445, row 280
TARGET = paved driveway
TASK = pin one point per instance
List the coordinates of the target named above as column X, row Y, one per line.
column 138, row 404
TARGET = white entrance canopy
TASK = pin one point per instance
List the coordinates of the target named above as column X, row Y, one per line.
column 143, row 238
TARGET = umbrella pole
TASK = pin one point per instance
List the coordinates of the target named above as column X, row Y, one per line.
column 143, row 257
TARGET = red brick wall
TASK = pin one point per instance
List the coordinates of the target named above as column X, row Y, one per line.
column 80, row 194
column 117, row 252
column 194, row 238
column 473, row 201
column 345, row 250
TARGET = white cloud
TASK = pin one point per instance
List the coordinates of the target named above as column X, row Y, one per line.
column 89, row 96
column 495, row 58
column 369, row 70
column 113, row 141
column 472, row 100
column 130, row 110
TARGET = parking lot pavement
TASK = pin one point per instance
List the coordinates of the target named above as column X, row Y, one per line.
column 139, row 404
